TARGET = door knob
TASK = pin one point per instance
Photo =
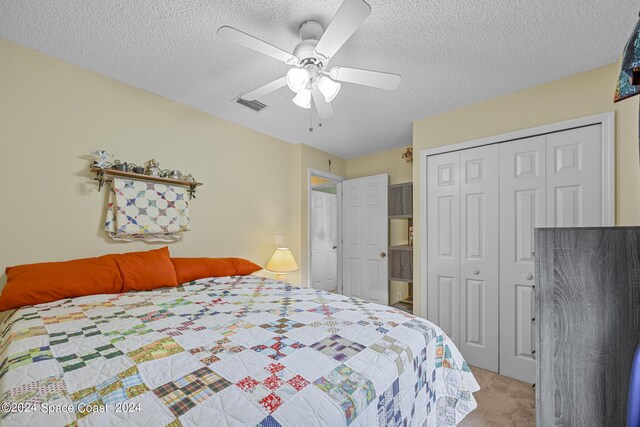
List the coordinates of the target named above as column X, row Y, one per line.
column 476, row 271
column 528, row 276
column 382, row 254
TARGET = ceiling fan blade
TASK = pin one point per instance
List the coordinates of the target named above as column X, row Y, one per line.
column 349, row 18
column 244, row 39
column 325, row 110
column 365, row 77
column 265, row 90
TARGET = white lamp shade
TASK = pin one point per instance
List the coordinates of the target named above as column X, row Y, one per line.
column 328, row 87
column 303, row 99
column 282, row 261
column 297, row 79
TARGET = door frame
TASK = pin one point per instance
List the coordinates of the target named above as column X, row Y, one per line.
column 606, row 120
column 338, row 180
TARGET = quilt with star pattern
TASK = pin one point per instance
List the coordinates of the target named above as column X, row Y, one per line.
column 231, row 351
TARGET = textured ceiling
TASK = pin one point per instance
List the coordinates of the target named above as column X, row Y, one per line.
column 450, row 53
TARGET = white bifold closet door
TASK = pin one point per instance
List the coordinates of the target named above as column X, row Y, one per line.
column 482, row 206
column 464, row 252
column 553, row 180
column 443, row 242
column 522, row 208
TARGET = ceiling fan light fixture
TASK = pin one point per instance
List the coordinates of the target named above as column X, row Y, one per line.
column 297, row 79
column 308, row 76
column 328, row 88
column 303, row 99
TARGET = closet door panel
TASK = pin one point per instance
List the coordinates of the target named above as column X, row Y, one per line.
column 443, row 247
column 574, row 178
column 479, row 219
column 522, row 208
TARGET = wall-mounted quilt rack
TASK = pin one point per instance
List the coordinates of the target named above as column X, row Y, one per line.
column 104, row 175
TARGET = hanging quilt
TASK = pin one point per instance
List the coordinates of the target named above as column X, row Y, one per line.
column 146, row 211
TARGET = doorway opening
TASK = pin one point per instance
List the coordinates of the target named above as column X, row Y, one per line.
column 325, row 270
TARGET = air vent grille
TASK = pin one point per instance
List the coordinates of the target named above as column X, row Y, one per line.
column 256, row 106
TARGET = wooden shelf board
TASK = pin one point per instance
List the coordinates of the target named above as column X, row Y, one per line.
column 400, row 305
column 402, row 184
column 399, row 279
column 401, row 248
column 407, row 216
column 138, row 176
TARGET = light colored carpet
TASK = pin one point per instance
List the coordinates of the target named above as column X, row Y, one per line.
column 501, row 401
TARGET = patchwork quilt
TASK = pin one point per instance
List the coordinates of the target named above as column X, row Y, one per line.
column 237, row 351
column 147, row 211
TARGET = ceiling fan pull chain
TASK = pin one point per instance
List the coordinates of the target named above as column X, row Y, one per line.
column 310, row 120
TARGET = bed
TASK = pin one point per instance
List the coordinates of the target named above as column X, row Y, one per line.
column 235, row 351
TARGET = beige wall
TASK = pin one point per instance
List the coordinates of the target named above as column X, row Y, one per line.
column 390, row 162
column 53, row 114
column 577, row 96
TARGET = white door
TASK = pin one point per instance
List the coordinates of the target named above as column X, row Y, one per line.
column 574, row 178
column 479, row 253
column 553, row 180
column 522, row 208
column 324, row 241
column 365, row 238
column 443, row 242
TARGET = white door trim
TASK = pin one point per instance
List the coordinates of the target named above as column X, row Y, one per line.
column 606, row 120
column 338, row 179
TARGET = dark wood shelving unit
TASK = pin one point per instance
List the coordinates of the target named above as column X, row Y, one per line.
column 401, row 256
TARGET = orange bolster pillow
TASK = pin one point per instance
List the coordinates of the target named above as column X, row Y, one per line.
column 144, row 271
column 50, row 281
column 189, row 269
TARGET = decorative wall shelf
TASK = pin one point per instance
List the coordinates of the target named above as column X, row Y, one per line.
column 104, row 175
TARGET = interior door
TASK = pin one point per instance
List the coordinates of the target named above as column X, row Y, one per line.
column 522, row 208
column 479, row 253
column 443, row 242
column 324, row 241
column 574, row 178
column 365, row 238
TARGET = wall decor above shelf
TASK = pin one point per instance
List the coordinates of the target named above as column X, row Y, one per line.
column 103, row 176
column 105, row 172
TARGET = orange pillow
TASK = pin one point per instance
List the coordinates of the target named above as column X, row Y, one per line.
column 51, row 281
column 188, row 269
column 144, row 271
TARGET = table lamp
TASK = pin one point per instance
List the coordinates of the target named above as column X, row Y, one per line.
column 281, row 263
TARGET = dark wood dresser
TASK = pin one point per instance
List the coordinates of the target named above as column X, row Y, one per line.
column 587, row 324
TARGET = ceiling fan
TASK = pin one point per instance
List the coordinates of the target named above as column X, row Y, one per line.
column 310, row 77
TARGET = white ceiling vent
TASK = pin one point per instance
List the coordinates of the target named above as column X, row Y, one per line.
column 256, row 106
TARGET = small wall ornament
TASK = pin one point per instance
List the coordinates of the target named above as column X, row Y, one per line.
column 102, row 158
column 407, row 155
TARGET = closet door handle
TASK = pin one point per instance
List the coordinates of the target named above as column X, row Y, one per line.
column 382, row 254
column 476, row 271
column 528, row 276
